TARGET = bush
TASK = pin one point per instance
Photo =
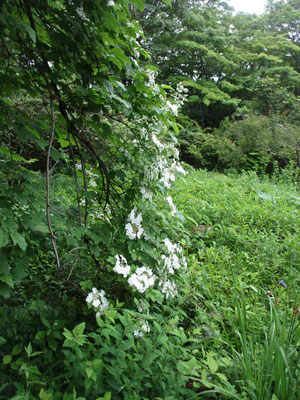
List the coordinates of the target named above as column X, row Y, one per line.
column 205, row 150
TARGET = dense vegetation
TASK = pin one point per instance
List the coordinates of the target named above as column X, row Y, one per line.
column 241, row 71
column 126, row 274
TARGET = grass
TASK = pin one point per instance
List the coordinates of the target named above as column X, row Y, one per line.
column 234, row 289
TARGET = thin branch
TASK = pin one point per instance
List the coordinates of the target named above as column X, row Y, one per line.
column 76, row 178
column 48, row 206
column 86, row 213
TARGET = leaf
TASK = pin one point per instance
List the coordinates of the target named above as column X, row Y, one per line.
column 45, row 322
column 52, row 343
column 167, row 2
column 140, row 4
column 28, row 349
column 4, row 238
column 79, row 329
column 2, row 340
column 18, row 239
column 212, row 364
column 16, row 350
column 8, row 280
column 89, row 372
column 30, row 32
column 7, row 359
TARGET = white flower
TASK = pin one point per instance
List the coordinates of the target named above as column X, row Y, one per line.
column 93, row 183
column 138, row 334
column 167, row 177
column 111, row 3
column 171, row 263
column 172, row 247
column 147, row 195
column 134, row 229
column 172, row 205
column 146, row 327
column 142, row 279
column 157, row 141
column 180, row 169
column 174, row 260
column 98, row 300
column 173, row 107
column 121, row 266
column 168, row 288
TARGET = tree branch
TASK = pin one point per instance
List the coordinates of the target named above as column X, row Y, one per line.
column 48, row 206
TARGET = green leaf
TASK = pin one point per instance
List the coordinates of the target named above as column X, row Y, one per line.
column 140, row 4
column 4, row 238
column 167, row 2
column 2, row 340
column 30, row 32
column 18, row 239
column 89, row 372
column 28, row 349
column 7, row 359
column 212, row 364
column 16, row 350
column 79, row 329
column 52, row 343
column 8, row 280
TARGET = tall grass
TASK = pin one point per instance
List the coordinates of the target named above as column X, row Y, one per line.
column 268, row 358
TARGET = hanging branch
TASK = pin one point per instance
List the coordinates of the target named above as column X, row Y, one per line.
column 48, row 206
column 86, row 212
column 76, row 179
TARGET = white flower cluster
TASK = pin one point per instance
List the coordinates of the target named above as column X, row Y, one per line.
column 173, row 107
column 179, row 98
column 157, row 142
column 174, row 260
column 142, row 279
column 147, row 195
column 139, row 333
column 180, row 94
column 98, row 301
column 172, row 205
column 151, row 78
column 111, row 3
column 134, row 229
column 121, row 267
column 168, row 288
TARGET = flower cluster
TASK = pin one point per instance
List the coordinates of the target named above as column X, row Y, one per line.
column 139, row 333
column 151, row 154
column 98, row 301
column 142, row 279
column 134, row 229
column 121, row 267
column 172, row 205
column 168, row 288
column 174, row 260
column 147, row 195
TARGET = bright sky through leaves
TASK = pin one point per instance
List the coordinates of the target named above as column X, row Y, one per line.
column 248, row 6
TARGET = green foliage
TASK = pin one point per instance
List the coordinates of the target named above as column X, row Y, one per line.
column 254, row 143
column 231, row 64
column 244, row 235
column 269, row 358
column 205, row 150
